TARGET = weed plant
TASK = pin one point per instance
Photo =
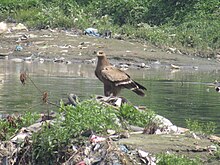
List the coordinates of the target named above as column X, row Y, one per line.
column 10, row 125
column 134, row 116
column 199, row 127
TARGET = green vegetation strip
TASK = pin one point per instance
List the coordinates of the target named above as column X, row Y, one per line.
column 190, row 26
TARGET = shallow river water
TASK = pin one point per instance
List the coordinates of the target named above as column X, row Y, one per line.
column 175, row 94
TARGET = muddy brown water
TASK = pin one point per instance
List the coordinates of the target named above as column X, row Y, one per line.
column 175, row 94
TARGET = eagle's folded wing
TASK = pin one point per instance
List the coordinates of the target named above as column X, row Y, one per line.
column 121, row 79
column 114, row 74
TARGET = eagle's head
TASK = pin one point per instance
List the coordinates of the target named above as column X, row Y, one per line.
column 100, row 54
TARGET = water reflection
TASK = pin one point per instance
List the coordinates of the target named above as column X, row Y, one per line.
column 177, row 95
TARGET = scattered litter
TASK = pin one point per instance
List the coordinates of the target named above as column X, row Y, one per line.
column 18, row 48
column 111, row 100
column 59, row 60
column 123, row 148
column 147, row 158
column 111, row 132
column 91, row 61
column 29, row 58
column 195, row 136
column 123, row 66
column 91, row 32
column 143, row 65
column 96, row 139
column 152, row 50
column 215, row 139
column 195, row 67
column 212, row 148
column 64, row 51
column 20, row 26
column 3, row 27
column 107, row 34
column 68, row 62
column 66, row 46
column 17, row 60
column 174, row 66
column 157, row 62
column 96, row 147
column 171, row 50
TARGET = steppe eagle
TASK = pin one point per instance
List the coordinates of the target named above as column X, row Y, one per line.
column 115, row 79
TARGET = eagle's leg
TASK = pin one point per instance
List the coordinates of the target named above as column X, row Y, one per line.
column 107, row 90
column 116, row 91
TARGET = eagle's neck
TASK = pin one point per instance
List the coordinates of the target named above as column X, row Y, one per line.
column 103, row 62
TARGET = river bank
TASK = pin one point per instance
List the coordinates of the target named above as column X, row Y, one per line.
column 73, row 46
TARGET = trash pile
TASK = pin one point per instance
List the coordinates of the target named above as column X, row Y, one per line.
column 96, row 150
column 94, row 32
column 105, row 151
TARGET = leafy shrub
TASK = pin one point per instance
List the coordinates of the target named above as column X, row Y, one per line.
column 135, row 117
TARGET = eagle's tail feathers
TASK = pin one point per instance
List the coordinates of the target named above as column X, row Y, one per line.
column 140, row 86
column 138, row 91
column 132, row 85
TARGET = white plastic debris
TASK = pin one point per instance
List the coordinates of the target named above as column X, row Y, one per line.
column 147, row 158
column 20, row 26
column 97, row 139
column 3, row 27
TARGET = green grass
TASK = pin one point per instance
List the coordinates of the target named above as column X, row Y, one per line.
column 172, row 159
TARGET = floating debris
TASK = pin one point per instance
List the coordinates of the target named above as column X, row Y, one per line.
column 59, row 60
column 23, row 77
column 45, row 97
column 174, row 66
column 17, row 60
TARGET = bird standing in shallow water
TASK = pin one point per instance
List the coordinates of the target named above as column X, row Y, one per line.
column 115, row 79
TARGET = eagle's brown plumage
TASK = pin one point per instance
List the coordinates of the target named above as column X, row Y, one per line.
column 115, row 79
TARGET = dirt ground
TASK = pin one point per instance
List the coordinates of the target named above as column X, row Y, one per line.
column 72, row 46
